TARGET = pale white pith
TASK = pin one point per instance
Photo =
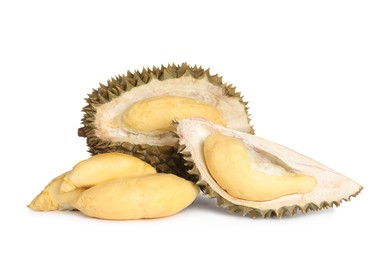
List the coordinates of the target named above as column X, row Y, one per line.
column 331, row 186
column 262, row 163
column 109, row 126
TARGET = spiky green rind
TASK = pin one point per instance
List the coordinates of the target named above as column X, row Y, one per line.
column 163, row 158
column 248, row 211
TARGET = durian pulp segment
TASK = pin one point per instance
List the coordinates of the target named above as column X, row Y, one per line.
column 157, row 113
column 148, row 196
column 51, row 198
column 249, row 175
column 104, row 167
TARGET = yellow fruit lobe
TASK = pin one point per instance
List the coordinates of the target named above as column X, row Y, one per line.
column 157, row 113
column 51, row 198
column 149, row 196
column 104, row 167
column 244, row 177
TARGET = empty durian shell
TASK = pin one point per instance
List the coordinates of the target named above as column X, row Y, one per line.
column 132, row 114
column 326, row 189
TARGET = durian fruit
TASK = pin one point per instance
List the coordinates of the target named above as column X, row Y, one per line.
column 253, row 176
column 133, row 113
column 147, row 196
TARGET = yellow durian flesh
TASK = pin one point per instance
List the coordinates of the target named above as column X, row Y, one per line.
column 148, row 196
column 157, row 113
column 249, row 177
column 51, row 198
column 104, row 167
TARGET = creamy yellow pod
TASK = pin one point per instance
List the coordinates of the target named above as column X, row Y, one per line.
column 248, row 177
column 104, row 167
column 149, row 196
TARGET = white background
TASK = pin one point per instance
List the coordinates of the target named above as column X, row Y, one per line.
column 316, row 74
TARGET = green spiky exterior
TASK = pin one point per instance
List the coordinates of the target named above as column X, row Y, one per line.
column 248, row 211
column 163, row 158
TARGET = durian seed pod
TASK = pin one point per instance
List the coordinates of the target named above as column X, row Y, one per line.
column 140, row 197
column 253, row 176
column 52, row 198
column 115, row 119
column 104, row 167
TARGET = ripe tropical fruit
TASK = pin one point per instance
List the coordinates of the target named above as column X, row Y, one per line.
column 254, row 176
column 104, row 167
column 148, row 196
column 116, row 186
column 133, row 113
column 244, row 175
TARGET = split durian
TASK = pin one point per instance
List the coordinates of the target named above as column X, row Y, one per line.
column 257, row 177
column 133, row 113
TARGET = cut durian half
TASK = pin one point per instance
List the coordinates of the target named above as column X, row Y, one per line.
column 133, row 113
column 287, row 181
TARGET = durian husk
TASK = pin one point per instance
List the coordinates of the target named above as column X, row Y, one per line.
column 278, row 212
column 164, row 158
